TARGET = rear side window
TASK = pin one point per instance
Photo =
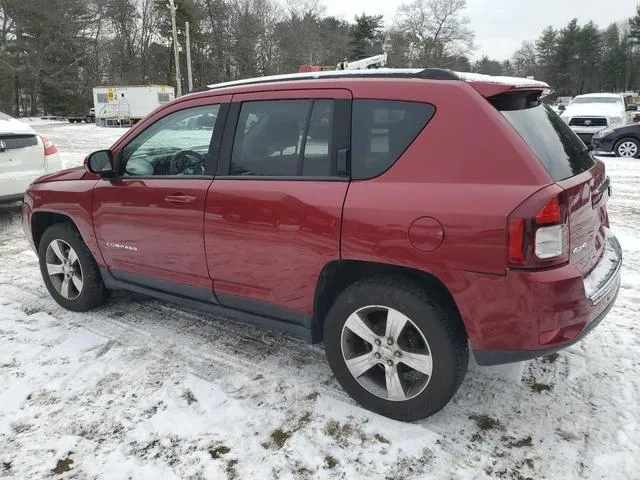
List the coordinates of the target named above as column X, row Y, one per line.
column 382, row 130
column 284, row 138
column 560, row 151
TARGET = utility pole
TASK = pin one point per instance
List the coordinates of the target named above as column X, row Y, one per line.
column 189, row 73
column 172, row 6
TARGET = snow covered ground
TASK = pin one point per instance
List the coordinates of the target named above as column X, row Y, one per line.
column 76, row 140
column 141, row 389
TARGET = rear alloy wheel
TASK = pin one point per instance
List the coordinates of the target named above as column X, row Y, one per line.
column 394, row 349
column 68, row 269
column 401, row 353
column 628, row 148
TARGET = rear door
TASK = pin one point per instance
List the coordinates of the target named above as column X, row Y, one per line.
column 273, row 213
column 572, row 167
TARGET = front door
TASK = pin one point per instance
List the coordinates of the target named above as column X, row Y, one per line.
column 273, row 215
column 149, row 220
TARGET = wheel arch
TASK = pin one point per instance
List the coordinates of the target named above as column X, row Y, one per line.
column 337, row 275
column 42, row 220
column 628, row 136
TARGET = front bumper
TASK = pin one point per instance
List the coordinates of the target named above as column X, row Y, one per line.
column 586, row 133
column 554, row 309
column 602, row 145
column 26, row 223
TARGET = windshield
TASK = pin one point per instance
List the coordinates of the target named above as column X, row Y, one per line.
column 4, row 116
column 560, row 151
column 608, row 100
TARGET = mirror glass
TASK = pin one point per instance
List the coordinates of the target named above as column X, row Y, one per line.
column 100, row 162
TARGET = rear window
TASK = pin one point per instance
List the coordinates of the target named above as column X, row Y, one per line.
column 560, row 151
column 382, row 131
column 12, row 142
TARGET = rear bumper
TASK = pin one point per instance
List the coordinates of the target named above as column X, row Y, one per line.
column 13, row 186
column 499, row 357
column 545, row 311
column 16, row 197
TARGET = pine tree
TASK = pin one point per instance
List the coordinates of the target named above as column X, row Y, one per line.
column 634, row 27
column 546, row 51
column 367, row 36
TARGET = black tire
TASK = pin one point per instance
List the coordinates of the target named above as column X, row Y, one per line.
column 93, row 292
column 440, row 325
column 626, row 141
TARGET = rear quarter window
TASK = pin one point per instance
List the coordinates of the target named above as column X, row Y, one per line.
column 382, row 131
column 559, row 150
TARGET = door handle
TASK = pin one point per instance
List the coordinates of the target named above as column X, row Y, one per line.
column 343, row 162
column 180, row 199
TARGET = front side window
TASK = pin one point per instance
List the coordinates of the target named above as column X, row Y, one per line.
column 177, row 144
column 283, row 138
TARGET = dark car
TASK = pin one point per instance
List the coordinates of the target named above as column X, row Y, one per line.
column 344, row 208
column 623, row 141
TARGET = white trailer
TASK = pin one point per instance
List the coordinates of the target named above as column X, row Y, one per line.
column 126, row 105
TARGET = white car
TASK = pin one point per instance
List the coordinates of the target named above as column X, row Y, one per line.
column 24, row 156
column 590, row 113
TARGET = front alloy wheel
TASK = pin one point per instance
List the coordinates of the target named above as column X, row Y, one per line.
column 68, row 269
column 64, row 269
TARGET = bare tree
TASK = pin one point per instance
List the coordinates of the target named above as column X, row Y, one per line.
column 524, row 60
column 433, row 32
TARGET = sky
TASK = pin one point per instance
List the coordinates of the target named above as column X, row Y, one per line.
column 501, row 25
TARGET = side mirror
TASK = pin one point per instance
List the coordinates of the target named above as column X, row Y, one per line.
column 562, row 108
column 101, row 163
column 632, row 108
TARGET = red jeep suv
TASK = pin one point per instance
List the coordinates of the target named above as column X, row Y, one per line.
column 401, row 217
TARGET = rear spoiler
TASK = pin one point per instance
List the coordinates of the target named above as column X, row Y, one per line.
column 490, row 86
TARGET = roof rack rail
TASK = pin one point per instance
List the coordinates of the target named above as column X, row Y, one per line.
column 422, row 73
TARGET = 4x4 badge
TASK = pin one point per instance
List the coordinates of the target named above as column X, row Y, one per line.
column 580, row 248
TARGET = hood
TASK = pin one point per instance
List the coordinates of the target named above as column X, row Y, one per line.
column 594, row 110
column 76, row 173
column 633, row 129
column 11, row 126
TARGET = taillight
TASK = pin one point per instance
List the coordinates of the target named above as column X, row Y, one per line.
column 550, row 213
column 516, row 239
column 49, row 147
column 538, row 235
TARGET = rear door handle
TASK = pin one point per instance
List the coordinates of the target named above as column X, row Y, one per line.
column 343, row 162
column 180, row 199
